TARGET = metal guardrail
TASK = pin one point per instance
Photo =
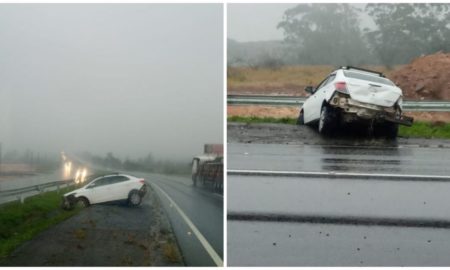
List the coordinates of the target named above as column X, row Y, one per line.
column 408, row 105
column 21, row 193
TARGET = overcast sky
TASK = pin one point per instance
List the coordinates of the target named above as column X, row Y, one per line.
column 255, row 22
column 130, row 79
column 258, row 22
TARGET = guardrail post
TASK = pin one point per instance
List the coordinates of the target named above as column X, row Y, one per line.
column 57, row 188
column 21, row 198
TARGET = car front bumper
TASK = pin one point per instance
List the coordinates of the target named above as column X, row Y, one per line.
column 68, row 202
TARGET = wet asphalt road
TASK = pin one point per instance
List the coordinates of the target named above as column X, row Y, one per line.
column 402, row 159
column 305, row 221
column 204, row 209
column 26, row 181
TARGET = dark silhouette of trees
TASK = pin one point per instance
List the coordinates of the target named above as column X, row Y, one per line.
column 325, row 34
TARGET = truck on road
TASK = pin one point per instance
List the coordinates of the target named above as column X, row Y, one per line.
column 207, row 168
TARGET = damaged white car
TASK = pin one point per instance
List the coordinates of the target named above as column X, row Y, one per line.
column 350, row 95
column 107, row 188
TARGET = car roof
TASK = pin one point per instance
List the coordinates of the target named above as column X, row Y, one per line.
column 362, row 70
column 95, row 177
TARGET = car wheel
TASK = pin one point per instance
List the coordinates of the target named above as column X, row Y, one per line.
column 391, row 130
column 66, row 205
column 82, row 202
column 327, row 120
column 301, row 118
column 134, row 198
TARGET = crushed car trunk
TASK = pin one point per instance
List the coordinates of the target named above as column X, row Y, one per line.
column 372, row 93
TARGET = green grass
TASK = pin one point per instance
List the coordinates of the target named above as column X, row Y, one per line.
column 255, row 119
column 426, row 130
column 417, row 130
column 21, row 222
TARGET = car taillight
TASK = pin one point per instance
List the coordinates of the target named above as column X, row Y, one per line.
column 341, row 87
column 142, row 181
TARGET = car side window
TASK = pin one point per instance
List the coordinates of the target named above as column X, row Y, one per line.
column 95, row 183
column 118, row 179
column 108, row 181
column 111, row 180
column 330, row 79
column 101, row 182
column 325, row 81
column 321, row 84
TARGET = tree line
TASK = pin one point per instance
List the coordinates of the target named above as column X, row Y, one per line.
column 144, row 164
column 334, row 34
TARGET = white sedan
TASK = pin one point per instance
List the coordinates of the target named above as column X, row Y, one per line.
column 352, row 94
column 106, row 188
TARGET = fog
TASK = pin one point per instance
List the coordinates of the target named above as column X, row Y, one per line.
column 258, row 22
column 387, row 34
column 255, row 22
column 131, row 79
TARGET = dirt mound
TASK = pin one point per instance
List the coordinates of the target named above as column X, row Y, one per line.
column 425, row 78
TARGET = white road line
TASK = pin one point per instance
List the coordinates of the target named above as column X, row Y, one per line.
column 338, row 174
column 212, row 253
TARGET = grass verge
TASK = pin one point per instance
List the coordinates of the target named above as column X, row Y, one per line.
column 427, row 130
column 255, row 119
column 21, row 222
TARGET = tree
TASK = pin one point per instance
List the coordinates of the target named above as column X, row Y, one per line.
column 325, row 34
column 405, row 31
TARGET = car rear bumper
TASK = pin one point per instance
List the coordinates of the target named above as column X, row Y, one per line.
column 143, row 190
column 355, row 110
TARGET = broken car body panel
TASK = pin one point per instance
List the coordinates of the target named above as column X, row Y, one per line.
column 363, row 95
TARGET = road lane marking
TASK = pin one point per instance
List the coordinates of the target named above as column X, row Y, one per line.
column 212, row 253
column 339, row 220
column 406, row 177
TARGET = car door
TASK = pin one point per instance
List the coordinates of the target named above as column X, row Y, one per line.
column 315, row 100
column 120, row 188
column 321, row 94
column 100, row 190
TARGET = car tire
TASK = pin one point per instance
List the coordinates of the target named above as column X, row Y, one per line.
column 391, row 130
column 82, row 202
column 327, row 120
column 134, row 198
column 301, row 118
column 66, row 205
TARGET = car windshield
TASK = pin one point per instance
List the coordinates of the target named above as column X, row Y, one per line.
column 367, row 77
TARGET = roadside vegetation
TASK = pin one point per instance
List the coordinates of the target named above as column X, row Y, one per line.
column 144, row 164
column 285, row 77
column 21, row 222
column 255, row 119
column 344, row 34
column 427, row 130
